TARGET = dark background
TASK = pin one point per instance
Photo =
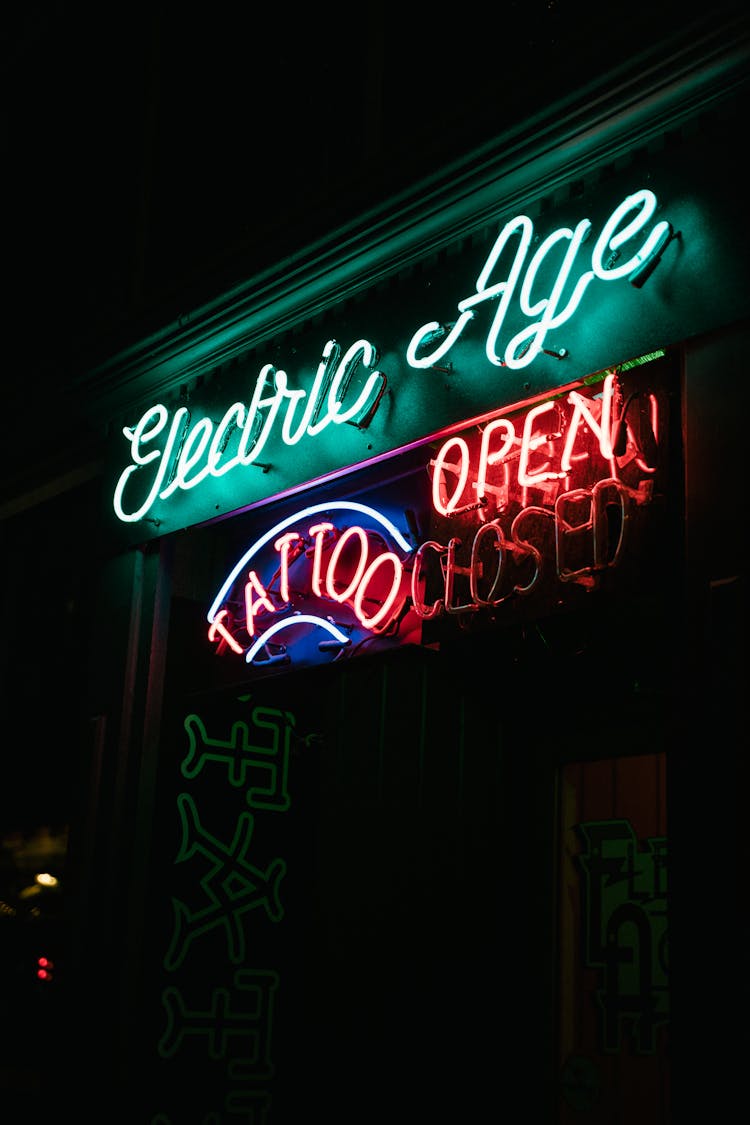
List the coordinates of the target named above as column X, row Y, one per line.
column 152, row 156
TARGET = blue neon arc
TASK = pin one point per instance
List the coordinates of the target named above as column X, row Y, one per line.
column 297, row 619
column 315, row 509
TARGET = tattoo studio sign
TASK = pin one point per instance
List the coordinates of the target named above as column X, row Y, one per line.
column 269, row 432
column 523, row 507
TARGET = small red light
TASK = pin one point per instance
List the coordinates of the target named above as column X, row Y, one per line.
column 44, row 968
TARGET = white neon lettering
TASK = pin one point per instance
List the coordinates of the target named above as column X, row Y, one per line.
column 303, row 426
column 252, row 443
column 193, row 448
column 610, row 240
column 506, row 288
column 202, row 451
column 361, row 350
column 138, row 436
column 502, row 289
column 526, row 345
column 233, row 417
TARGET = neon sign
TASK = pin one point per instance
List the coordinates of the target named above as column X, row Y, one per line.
column 555, row 310
column 531, row 501
column 186, row 454
column 536, row 501
column 356, row 572
column 529, row 287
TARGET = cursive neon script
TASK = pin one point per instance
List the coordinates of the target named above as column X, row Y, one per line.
column 607, row 264
column 178, row 454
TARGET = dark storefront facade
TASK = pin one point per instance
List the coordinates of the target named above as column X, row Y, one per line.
column 415, row 708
